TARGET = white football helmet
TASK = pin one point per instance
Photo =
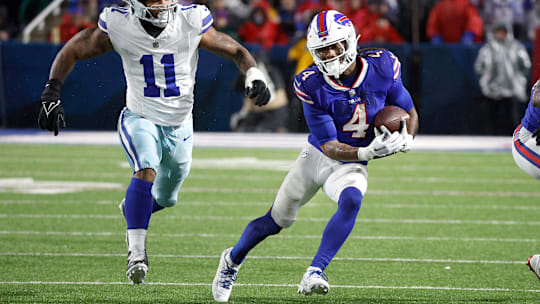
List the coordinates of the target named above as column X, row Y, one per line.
column 328, row 28
column 167, row 12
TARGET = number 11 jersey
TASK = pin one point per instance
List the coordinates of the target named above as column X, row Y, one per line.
column 160, row 71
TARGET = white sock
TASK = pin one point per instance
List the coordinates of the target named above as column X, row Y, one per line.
column 137, row 240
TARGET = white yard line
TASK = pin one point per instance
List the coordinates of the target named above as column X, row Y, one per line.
column 309, row 219
column 329, row 204
column 274, row 285
column 266, row 177
column 187, row 256
column 281, row 236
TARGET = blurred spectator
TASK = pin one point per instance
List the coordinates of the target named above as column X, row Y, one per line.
column 270, row 118
column 503, row 66
column 533, row 20
column 404, row 18
column 454, row 21
column 381, row 32
column 221, row 23
column 303, row 15
column 286, row 16
column 362, row 16
column 259, row 29
column 78, row 17
column 5, row 28
column 510, row 12
column 299, row 54
column 29, row 9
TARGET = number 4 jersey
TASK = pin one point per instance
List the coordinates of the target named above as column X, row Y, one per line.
column 344, row 109
column 160, row 72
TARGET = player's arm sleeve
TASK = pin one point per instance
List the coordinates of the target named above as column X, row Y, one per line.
column 399, row 96
column 320, row 122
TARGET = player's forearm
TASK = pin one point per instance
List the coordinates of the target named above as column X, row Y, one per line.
column 340, row 151
column 62, row 65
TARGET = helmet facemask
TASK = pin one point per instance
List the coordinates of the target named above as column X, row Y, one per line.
column 167, row 12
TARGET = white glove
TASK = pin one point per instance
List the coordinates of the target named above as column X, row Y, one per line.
column 384, row 144
column 408, row 137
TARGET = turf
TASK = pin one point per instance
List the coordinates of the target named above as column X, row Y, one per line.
column 434, row 227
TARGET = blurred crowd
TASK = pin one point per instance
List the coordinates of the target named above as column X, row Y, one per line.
column 500, row 25
column 270, row 22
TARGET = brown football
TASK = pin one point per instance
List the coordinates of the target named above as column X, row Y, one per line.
column 390, row 117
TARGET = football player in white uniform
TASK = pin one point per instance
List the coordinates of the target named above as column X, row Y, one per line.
column 526, row 151
column 158, row 42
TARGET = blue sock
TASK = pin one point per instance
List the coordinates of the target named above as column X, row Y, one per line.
column 338, row 228
column 256, row 231
column 156, row 207
column 138, row 204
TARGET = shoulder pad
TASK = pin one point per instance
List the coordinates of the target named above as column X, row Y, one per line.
column 197, row 15
column 386, row 62
column 112, row 15
column 305, row 82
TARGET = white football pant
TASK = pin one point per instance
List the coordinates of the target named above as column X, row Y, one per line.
column 525, row 151
column 167, row 150
column 311, row 171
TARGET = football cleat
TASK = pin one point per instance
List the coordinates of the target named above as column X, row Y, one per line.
column 314, row 281
column 137, row 267
column 225, row 276
column 534, row 264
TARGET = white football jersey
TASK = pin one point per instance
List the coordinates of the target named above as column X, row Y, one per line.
column 160, row 72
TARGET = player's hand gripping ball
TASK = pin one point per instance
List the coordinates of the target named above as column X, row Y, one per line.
column 391, row 117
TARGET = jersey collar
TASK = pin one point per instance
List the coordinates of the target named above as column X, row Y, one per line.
column 361, row 76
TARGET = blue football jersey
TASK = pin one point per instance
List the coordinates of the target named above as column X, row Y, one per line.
column 345, row 112
column 531, row 119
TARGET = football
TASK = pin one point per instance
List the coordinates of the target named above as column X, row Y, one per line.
column 390, row 117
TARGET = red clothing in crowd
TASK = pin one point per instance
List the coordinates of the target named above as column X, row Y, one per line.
column 451, row 18
column 267, row 34
column 381, row 31
column 71, row 25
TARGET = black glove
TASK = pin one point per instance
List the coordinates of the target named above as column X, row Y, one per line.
column 536, row 134
column 258, row 92
column 52, row 116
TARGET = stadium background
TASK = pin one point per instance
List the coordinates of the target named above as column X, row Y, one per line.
column 440, row 77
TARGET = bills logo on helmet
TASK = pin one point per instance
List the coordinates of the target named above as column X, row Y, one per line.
column 342, row 19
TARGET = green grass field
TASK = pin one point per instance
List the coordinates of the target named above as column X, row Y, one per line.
column 433, row 228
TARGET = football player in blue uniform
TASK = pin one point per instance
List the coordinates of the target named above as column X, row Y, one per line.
column 341, row 95
column 526, row 151
column 158, row 41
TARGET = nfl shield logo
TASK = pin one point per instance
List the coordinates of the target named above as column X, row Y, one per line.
column 155, row 44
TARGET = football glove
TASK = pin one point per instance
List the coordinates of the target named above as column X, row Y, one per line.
column 384, row 144
column 51, row 116
column 536, row 134
column 408, row 137
column 256, row 87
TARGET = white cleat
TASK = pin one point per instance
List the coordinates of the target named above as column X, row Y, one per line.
column 314, row 281
column 137, row 268
column 534, row 264
column 225, row 276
